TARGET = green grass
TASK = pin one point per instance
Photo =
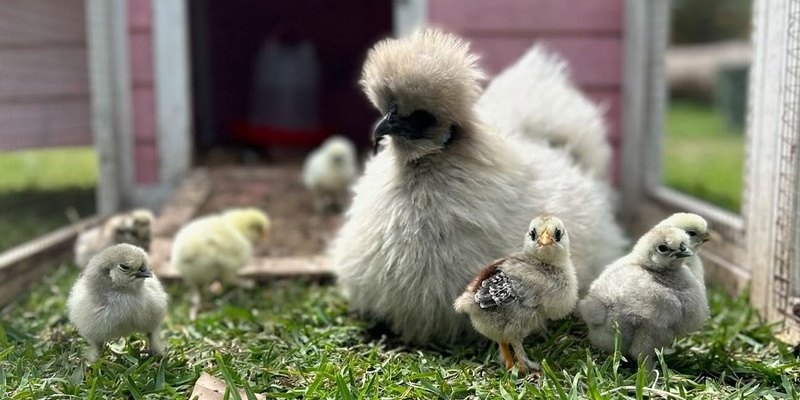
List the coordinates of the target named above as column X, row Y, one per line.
column 702, row 157
column 39, row 186
column 292, row 339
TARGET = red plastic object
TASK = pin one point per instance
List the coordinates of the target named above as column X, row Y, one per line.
column 268, row 135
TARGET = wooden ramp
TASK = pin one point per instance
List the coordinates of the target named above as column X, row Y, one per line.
column 271, row 188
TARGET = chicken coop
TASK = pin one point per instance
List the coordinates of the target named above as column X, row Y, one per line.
column 158, row 87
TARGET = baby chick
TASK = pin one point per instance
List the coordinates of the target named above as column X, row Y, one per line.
column 216, row 247
column 115, row 296
column 516, row 295
column 134, row 227
column 697, row 229
column 649, row 294
column 328, row 172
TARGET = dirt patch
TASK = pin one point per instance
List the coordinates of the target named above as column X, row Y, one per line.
column 297, row 230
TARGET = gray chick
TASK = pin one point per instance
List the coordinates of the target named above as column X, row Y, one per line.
column 697, row 228
column 516, row 295
column 115, row 296
column 649, row 294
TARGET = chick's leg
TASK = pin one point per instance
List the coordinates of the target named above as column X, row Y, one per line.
column 197, row 301
column 155, row 343
column 94, row 351
column 523, row 362
column 506, row 352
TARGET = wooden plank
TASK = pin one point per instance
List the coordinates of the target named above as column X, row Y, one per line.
column 37, row 23
column 58, row 123
column 172, row 89
column 529, row 16
column 140, row 14
column 147, row 162
column 26, row 264
column 141, row 57
column 768, row 79
column 105, row 130
column 144, row 113
column 42, row 73
column 594, row 62
column 184, row 204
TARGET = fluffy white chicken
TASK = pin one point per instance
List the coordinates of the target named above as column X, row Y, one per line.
column 445, row 195
column 516, row 295
column 134, row 227
column 328, row 172
column 649, row 294
column 535, row 99
column 215, row 247
column 115, row 296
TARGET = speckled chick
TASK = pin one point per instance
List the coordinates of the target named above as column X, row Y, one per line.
column 650, row 295
column 115, row 296
column 516, row 295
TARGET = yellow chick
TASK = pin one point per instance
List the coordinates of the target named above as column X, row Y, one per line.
column 215, row 247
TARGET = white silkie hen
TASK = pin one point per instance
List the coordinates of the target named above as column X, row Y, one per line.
column 328, row 172
column 445, row 195
column 535, row 99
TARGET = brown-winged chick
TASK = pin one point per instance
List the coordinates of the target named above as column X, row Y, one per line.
column 516, row 295
column 115, row 296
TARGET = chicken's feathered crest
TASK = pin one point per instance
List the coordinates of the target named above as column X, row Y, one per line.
column 429, row 69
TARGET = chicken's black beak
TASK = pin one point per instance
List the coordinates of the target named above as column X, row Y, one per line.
column 143, row 273
column 683, row 252
column 384, row 127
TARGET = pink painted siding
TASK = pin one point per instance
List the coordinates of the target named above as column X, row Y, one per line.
column 587, row 33
column 145, row 143
column 44, row 79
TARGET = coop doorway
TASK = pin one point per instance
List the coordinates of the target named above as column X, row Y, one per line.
column 281, row 73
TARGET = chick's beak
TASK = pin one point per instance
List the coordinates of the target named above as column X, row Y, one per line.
column 545, row 239
column 684, row 252
column 143, row 273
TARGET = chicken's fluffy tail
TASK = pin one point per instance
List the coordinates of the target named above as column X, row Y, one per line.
column 536, row 99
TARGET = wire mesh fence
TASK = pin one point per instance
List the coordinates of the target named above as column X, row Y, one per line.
column 786, row 285
column 47, row 169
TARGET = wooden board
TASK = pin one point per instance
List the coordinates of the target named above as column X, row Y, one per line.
column 193, row 193
column 26, row 264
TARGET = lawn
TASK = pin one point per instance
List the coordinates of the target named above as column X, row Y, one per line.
column 294, row 339
column 702, row 157
column 38, row 188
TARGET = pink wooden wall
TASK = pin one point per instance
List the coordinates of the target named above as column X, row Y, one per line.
column 44, row 79
column 143, row 102
column 588, row 33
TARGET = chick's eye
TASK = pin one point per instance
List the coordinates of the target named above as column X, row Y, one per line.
column 662, row 248
column 691, row 233
column 533, row 234
column 558, row 235
column 124, row 267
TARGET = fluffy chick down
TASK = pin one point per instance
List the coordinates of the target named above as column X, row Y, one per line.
column 649, row 294
column 134, row 227
column 516, row 295
column 328, row 172
column 116, row 296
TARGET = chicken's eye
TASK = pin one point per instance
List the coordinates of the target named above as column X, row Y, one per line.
column 558, row 235
column 533, row 234
column 691, row 233
column 124, row 267
column 662, row 248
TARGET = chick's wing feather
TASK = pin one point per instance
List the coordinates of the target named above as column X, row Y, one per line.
column 497, row 290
